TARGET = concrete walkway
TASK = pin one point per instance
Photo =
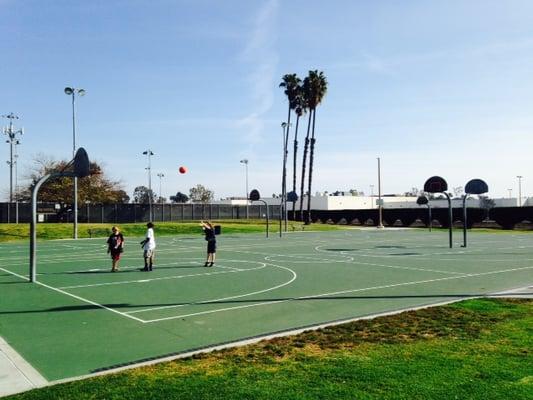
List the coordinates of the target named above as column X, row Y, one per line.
column 16, row 375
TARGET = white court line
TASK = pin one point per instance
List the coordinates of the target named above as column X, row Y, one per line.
column 294, row 276
column 144, row 280
column 350, row 260
column 333, row 294
column 74, row 296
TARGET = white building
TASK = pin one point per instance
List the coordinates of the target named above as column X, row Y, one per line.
column 331, row 202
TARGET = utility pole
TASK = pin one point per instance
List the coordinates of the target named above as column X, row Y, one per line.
column 12, row 140
column 149, row 154
column 160, row 176
column 245, row 162
column 72, row 91
column 519, row 190
column 379, row 194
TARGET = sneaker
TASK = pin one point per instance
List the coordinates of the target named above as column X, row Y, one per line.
column 206, row 264
column 212, row 264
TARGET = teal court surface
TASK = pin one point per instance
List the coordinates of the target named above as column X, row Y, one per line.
column 79, row 318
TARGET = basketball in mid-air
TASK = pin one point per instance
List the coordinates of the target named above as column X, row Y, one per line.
column 182, row 170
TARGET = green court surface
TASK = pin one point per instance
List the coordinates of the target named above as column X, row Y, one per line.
column 80, row 318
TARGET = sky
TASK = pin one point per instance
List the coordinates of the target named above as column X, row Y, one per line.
column 430, row 87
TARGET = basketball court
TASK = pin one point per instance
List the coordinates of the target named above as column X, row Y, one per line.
column 79, row 318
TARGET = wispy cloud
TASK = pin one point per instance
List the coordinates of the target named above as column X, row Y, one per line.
column 260, row 54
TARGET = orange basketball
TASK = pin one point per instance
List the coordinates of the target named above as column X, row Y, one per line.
column 182, row 170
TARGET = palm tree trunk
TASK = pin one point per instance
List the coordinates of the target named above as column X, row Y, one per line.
column 311, row 159
column 284, row 179
column 304, row 161
column 295, row 151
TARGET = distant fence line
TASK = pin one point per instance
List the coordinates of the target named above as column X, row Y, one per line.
column 131, row 213
column 506, row 217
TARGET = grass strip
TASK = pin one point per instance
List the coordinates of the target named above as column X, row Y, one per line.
column 475, row 349
column 13, row 232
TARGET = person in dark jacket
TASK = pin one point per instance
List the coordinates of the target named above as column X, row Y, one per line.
column 115, row 247
column 209, row 231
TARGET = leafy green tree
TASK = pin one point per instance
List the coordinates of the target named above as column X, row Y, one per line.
column 143, row 195
column 179, row 198
column 201, row 194
column 96, row 188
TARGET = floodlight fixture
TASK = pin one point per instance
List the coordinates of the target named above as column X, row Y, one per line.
column 69, row 91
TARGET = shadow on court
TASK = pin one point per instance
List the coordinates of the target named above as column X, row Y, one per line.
column 118, row 306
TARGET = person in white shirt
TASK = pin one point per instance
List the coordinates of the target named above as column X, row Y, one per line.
column 148, row 246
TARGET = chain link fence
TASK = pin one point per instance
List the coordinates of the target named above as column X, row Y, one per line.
column 131, row 213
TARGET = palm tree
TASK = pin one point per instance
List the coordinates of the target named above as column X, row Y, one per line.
column 292, row 85
column 315, row 86
column 299, row 110
column 305, row 94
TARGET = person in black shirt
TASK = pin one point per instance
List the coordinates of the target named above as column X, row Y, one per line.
column 115, row 246
column 209, row 231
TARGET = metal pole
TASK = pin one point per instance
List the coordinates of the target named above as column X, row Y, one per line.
column 16, row 184
column 247, row 192
column 464, row 221
column 266, row 205
column 149, row 154
column 380, row 225
column 33, row 225
column 150, row 183
column 519, row 190
column 450, row 217
column 73, row 154
column 430, row 217
column 12, row 135
column 245, row 162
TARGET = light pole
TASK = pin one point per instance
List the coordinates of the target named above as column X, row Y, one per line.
column 160, row 176
column 149, row 154
column 510, row 193
column 519, row 190
column 16, row 157
column 71, row 91
column 12, row 140
column 380, row 225
column 245, row 162
column 372, row 196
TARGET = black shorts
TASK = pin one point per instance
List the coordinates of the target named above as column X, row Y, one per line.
column 212, row 246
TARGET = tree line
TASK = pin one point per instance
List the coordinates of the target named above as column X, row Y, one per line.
column 96, row 188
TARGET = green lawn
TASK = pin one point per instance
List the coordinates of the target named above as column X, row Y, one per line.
column 476, row 349
column 11, row 232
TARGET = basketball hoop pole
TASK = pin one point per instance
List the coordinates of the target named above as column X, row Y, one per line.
column 380, row 209
column 450, row 217
column 33, row 224
column 464, row 220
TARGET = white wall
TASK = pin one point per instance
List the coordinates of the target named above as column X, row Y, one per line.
column 325, row 202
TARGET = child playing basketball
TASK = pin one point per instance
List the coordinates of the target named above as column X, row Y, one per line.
column 209, row 231
column 115, row 246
